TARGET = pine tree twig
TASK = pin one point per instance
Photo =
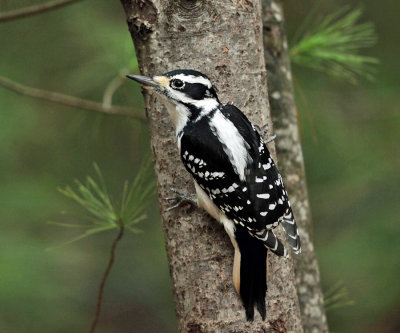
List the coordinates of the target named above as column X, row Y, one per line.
column 104, row 279
column 67, row 100
column 333, row 45
column 33, row 10
column 113, row 86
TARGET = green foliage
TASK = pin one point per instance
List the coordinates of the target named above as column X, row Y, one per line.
column 332, row 45
column 102, row 212
column 337, row 296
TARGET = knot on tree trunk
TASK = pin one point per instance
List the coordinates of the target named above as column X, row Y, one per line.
column 191, row 16
column 142, row 22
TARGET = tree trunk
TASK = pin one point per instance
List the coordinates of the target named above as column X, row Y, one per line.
column 222, row 39
column 291, row 163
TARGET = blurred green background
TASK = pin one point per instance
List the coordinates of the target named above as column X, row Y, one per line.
column 350, row 136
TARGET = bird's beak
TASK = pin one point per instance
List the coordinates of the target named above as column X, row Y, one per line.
column 144, row 80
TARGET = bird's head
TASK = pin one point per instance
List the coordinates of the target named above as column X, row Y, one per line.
column 187, row 87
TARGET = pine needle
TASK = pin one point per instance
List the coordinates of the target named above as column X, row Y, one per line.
column 337, row 296
column 101, row 211
column 332, row 45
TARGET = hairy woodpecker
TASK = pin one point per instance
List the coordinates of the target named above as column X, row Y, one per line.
column 236, row 179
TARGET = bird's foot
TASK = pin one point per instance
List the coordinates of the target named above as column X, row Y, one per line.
column 264, row 130
column 271, row 138
column 181, row 199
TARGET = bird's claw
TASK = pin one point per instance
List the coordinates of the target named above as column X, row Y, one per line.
column 181, row 199
column 271, row 138
column 263, row 130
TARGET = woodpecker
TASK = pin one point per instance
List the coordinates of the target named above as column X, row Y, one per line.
column 236, row 180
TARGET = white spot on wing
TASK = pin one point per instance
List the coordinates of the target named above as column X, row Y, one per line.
column 217, row 174
column 263, row 196
column 259, row 180
column 216, row 191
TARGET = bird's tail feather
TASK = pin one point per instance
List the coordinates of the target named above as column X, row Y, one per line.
column 292, row 232
column 272, row 242
column 253, row 273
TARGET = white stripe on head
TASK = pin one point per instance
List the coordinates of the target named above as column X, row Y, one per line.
column 193, row 79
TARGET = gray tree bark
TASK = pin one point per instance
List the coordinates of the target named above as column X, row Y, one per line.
column 222, row 39
column 291, row 164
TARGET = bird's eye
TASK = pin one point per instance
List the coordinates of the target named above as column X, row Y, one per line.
column 177, row 84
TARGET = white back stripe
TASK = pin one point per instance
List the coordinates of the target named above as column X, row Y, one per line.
column 233, row 143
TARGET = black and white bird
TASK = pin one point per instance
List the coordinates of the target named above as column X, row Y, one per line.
column 236, row 179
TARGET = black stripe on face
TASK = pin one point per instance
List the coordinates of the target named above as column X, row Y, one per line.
column 196, row 91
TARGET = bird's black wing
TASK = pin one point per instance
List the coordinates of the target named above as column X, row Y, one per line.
column 266, row 188
column 258, row 202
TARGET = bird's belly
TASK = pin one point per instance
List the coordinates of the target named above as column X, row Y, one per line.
column 206, row 203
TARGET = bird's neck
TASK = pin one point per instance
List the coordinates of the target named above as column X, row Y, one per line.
column 182, row 113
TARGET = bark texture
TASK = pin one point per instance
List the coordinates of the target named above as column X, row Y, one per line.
column 222, row 39
column 291, row 164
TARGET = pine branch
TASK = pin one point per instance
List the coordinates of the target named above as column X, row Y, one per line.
column 101, row 211
column 113, row 86
column 337, row 296
column 67, row 100
column 104, row 278
column 333, row 46
column 33, row 10
column 105, row 214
